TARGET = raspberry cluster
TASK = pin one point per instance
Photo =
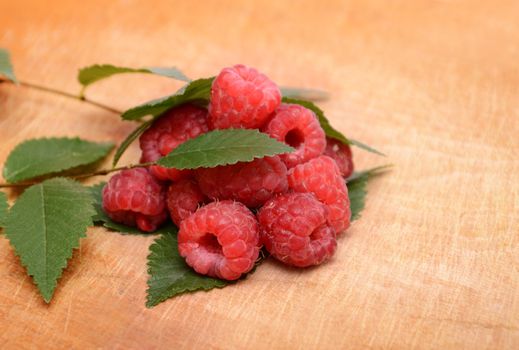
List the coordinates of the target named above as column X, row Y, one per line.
column 300, row 198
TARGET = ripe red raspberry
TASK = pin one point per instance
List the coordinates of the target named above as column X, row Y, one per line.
column 135, row 198
column 251, row 183
column 295, row 230
column 341, row 153
column 321, row 177
column 298, row 127
column 184, row 197
column 167, row 133
column 220, row 240
column 242, row 97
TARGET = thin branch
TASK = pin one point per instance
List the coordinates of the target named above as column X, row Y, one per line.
column 81, row 176
column 64, row 94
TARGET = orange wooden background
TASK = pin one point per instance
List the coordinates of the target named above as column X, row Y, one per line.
column 434, row 261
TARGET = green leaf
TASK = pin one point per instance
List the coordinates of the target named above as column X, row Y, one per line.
column 45, row 225
column 6, row 67
column 100, row 217
column 170, row 275
column 221, row 147
column 304, row 94
column 357, row 189
column 41, row 157
column 197, row 91
column 91, row 74
column 4, row 207
column 329, row 130
column 129, row 139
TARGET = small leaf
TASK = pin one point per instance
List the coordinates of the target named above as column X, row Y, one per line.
column 304, row 94
column 170, row 275
column 91, row 74
column 44, row 226
column 4, row 206
column 221, row 147
column 41, row 157
column 197, row 91
column 100, row 217
column 6, row 67
column 329, row 130
column 129, row 139
column 357, row 189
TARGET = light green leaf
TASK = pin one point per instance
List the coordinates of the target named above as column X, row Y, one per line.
column 46, row 156
column 329, row 130
column 170, row 275
column 100, row 217
column 44, row 226
column 135, row 134
column 357, row 189
column 197, row 91
column 6, row 67
column 221, row 147
column 4, row 207
column 304, row 94
column 91, row 74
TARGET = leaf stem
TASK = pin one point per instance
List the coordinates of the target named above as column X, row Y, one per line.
column 64, row 94
column 82, row 176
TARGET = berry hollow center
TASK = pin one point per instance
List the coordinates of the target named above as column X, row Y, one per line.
column 294, row 138
column 210, row 243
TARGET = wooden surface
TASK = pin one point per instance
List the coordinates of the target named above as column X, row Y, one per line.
column 434, row 261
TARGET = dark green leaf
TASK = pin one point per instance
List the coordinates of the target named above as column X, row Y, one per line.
column 41, row 157
column 304, row 94
column 170, row 275
column 357, row 189
column 221, row 147
column 197, row 91
column 129, row 139
column 45, row 225
column 329, row 130
column 3, row 208
column 6, row 67
column 91, row 74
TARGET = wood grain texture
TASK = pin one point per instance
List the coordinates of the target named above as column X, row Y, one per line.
column 434, row 261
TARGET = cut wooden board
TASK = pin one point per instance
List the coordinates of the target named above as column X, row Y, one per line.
column 432, row 264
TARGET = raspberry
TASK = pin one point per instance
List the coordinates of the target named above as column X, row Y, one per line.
column 341, row 153
column 220, row 240
column 251, row 183
column 242, row 97
column 135, row 198
column 321, row 177
column 295, row 230
column 167, row 133
column 298, row 127
column 184, row 197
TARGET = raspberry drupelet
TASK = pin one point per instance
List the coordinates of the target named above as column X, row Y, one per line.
column 295, row 230
column 167, row 133
column 220, row 239
column 135, row 198
column 242, row 97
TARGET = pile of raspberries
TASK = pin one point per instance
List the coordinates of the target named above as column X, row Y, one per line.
column 294, row 204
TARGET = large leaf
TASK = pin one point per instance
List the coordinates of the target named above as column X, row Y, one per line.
column 44, row 226
column 329, row 130
column 170, row 275
column 129, row 139
column 304, row 94
column 6, row 67
column 3, row 209
column 197, row 91
column 221, row 147
column 91, row 74
column 40, row 157
column 357, row 192
column 100, row 217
